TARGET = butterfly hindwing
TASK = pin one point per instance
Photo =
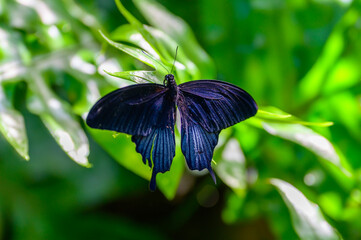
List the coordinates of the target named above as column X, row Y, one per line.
column 207, row 107
column 159, row 146
column 146, row 111
column 197, row 146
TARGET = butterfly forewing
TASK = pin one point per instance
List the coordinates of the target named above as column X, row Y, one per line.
column 215, row 105
column 135, row 109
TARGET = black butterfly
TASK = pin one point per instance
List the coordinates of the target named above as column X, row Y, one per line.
column 148, row 112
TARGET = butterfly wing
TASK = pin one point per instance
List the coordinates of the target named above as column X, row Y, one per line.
column 216, row 105
column 146, row 111
column 159, row 146
column 207, row 107
column 197, row 145
column 134, row 109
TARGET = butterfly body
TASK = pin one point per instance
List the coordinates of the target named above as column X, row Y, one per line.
column 148, row 112
column 171, row 84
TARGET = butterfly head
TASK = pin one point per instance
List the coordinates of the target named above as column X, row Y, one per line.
column 169, row 80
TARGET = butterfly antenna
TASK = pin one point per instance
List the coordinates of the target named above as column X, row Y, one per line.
column 160, row 63
column 175, row 57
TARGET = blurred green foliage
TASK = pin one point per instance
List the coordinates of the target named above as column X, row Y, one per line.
column 280, row 176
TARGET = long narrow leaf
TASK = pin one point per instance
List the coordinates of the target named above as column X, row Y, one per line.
column 138, row 54
column 316, row 144
column 313, row 82
column 273, row 114
column 307, row 218
column 186, row 69
column 158, row 48
column 138, row 76
column 12, row 126
column 179, row 30
column 128, row 33
column 57, row 117
column 231, row 168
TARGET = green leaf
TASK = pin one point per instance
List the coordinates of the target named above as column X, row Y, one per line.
column 179, row 30
column 128, row 33
column 138, row 76
column 12, row 126
column 139, row 54
column 279, row 123
column 231, row 167
column 234, row 207
column 345, row 75
column 121, row 146
column 305, row 137
column 316, row 144
column 307, row 218
column 157, row 47
column 61, row 123
column 346, row 109
column 273, row 114
column 168, row 182
column 186, row 70
column 315, row 80
column 331, row 203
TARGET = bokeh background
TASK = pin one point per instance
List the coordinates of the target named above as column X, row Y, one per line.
column 284, row 174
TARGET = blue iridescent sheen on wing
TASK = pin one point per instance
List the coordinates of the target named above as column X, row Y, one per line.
column 197, row 146
column 146, row 111
column 207, row 107
column 215, row 105
column 159, row 146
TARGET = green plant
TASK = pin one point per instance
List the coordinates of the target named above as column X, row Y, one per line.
column 318, row 168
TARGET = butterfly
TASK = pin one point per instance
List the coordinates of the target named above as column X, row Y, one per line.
column 148, row 111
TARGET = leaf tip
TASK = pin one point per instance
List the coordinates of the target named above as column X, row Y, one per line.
column 87, row 165
column 271, row 181
column 328, row 124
